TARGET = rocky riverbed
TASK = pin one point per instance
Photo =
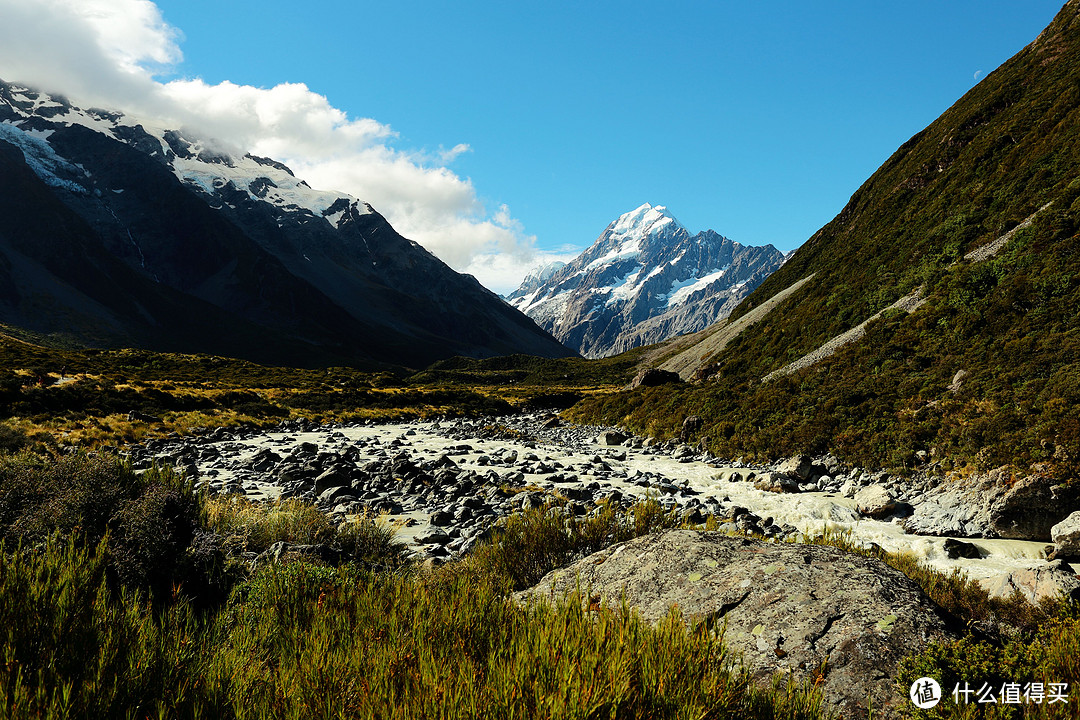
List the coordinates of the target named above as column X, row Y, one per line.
column 445, row 484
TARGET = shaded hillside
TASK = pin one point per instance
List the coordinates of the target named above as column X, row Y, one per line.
column 985, row 370
column 119, row 233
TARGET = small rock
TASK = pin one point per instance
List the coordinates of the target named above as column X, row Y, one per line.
column 960, row 549
column 441, row 518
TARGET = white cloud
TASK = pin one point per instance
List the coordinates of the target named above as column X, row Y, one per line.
column 109, row 53
column 503, row 272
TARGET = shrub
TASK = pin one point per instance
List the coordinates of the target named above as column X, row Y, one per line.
column 12, row 439
column 73, row 649
column 153, row 516
column 309, row 641
column 535, row 542
column 371, row 545
column 153, row 533
column 249, row 526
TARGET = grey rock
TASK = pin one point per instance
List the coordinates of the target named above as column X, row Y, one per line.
column 330, row 479
column 776, row 482
column 434, row 536
column 1037, row 582
column 960, row 549
column 875, row 501
column 611, row 437
column 798, row 467
column 991, row 505
column 690, row 427
column 441, row 518
column 1066, row 536
column 786, row 608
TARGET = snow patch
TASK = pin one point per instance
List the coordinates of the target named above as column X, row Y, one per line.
column 681, row 290
column 43, row 160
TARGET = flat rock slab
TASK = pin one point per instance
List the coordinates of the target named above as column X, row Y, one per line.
column 787, row 608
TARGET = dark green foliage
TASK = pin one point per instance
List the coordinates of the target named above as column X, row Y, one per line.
column 1049, row 653
column 74, row 649
column 303, row 640
column 311, row 643
column 461, row 399
column 12, row 439
column 371, row 545
column 152, row 535
column 153, row 517
column 526, row 370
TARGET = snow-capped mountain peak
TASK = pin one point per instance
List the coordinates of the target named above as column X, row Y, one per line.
column 645, row 269
column 195, row 161
column 643, row 221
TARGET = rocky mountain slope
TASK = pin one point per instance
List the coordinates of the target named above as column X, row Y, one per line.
column 645, row 279
column 961, row 252
column 116, row 232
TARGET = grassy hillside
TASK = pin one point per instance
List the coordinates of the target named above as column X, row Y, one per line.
column 1002, row 152
column 62, row 395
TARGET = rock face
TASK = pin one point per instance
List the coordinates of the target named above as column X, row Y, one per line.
column 645, row 279
column 118, row 235
column 989, row 505
column 786, row 608
column 1066, row 536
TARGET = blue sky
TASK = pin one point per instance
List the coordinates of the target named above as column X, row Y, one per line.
column 757, row 120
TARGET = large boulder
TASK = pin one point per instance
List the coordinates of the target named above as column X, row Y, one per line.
column 991, row 505
column 611, row 437
column 799, row 467
column 1066, row 536
column 875, row 501
column 787, row 608
column 652, row 377
column 776, row 482
column 1037, row 582
column 1031, row 507
column 690, row 427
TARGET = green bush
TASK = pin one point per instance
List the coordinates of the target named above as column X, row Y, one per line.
column 312, row 642
column 153, row 516
column 535, row 542
column 151, row 538
column 12, row 439
column 371, row 544
column 1049, row 654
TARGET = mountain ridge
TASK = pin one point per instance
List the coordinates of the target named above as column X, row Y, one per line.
column 644, row 279
column 252, row 249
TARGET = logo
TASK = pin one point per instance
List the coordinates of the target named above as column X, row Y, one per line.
column 925, row 693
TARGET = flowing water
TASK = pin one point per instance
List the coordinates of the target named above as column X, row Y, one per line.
column 811, row 513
